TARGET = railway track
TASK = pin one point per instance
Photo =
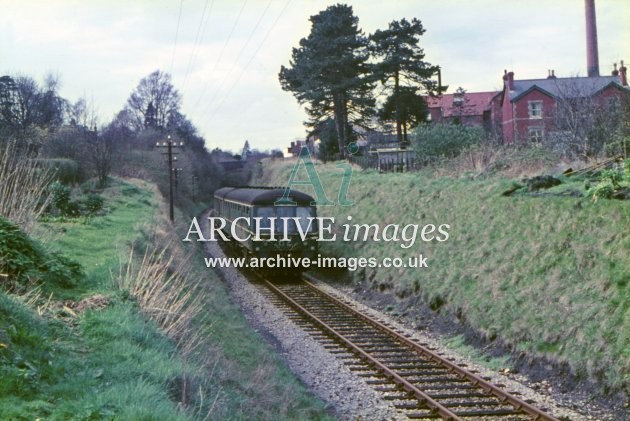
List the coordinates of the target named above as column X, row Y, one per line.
column 420, row 383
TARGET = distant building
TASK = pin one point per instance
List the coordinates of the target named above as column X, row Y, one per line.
column 296, row 147
column 468, row 108
column 529, row 106
column 226, row 160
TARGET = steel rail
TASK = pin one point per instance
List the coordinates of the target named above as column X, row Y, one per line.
column 421, row 396
column 488, row 387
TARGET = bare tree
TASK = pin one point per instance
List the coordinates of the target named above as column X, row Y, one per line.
column 585, row 121
column 101, row 154
column 29, row 112
column 462, row 109
column 153, row 101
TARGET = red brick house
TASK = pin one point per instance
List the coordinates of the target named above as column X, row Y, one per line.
column 296, row 146
column 468, row 108
column 529, row 107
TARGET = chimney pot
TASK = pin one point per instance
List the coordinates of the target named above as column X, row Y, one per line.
column 615, row 72
column 623, row 75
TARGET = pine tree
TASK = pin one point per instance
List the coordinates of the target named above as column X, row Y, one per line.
column 407, row 107
column 247, row 151
column 329, row 72
column 402, row 70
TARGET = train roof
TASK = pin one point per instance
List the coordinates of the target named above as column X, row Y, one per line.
column 261, row 195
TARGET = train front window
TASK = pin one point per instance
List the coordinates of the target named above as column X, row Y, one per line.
column 285, row 212
column 303, row 213
column 265, row 213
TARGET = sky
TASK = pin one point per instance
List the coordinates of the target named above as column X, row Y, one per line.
column 224, row 55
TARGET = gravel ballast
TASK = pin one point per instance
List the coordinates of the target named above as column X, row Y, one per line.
column 326, row 375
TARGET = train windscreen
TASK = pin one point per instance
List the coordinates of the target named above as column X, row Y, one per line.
column 303, row 213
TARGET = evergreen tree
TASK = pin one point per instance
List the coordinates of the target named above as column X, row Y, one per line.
column 402, row 70
column 247, row 151
column 328, row 140
column 329, row 72
column 150, row 118
column 408, row 106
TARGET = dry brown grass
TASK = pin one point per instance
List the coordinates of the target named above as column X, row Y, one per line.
column 22, row 187
column 162, row 287
column 507, row 160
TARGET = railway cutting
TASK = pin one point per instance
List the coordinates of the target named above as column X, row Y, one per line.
column 420, row 383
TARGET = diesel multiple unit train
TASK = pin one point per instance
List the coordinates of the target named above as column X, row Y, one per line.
column 284, row 230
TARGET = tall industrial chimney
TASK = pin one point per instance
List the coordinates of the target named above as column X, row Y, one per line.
column 592, row 55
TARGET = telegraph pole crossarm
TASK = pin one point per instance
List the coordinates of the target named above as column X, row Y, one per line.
column 169, row 145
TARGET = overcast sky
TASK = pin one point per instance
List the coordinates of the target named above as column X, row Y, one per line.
column 224, row 55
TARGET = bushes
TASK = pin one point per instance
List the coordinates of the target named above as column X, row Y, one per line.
column 25, row 260
column 444, row 140
column 66, row 171
column 93, row 203
column 62, row 203
column 613, row 184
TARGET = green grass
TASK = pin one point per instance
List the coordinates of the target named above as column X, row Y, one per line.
column 99, row 242
column 102, row 363
column 548, row 274
column 459, row 345
column 114, row 363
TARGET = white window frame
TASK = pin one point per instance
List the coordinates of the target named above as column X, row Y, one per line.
column 535, row 109
column 535, row 134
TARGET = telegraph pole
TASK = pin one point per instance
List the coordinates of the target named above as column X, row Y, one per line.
column 169, row 145
column 193, row 182
column 176, row 172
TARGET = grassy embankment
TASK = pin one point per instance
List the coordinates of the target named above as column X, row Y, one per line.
column 64, row 358
column 548, row 275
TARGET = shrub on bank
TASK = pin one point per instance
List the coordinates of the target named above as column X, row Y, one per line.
column 24, row 261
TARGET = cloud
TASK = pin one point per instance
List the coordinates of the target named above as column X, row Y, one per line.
column 103, row 48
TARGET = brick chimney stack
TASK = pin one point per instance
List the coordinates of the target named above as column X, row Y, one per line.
column 615, row 72
column 623, row 76
column 508, row 79
column 592, row 55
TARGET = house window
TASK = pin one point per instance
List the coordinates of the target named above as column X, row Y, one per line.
column 535, row 134
column 535, row 109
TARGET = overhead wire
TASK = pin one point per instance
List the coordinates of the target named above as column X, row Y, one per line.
column 216, row 63
column 202, row 24
column 253, row 56
column 243, row 49
column 179, row 19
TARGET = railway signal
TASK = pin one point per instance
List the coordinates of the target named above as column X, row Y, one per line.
column 170, row 145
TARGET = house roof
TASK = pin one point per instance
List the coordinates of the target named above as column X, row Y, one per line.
column 475, row 103
column 568, row 87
